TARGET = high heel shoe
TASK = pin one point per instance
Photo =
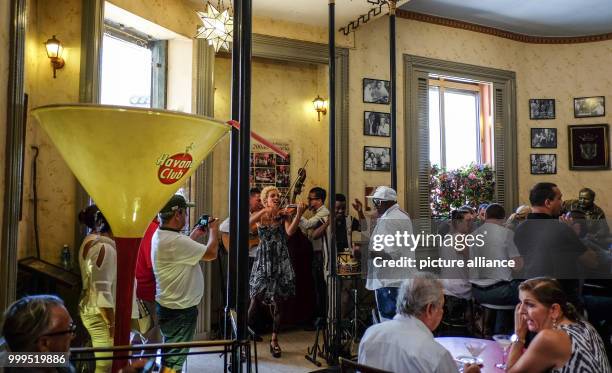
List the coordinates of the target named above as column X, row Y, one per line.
column 275, row 349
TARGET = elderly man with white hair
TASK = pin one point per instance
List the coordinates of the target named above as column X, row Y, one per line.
column 406, row 343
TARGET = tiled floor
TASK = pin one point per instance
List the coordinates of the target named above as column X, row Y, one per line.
column 293, row 344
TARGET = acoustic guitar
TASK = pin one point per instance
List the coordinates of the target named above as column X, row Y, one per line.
column 253, row 240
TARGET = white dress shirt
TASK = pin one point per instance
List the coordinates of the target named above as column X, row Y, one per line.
column 313, row 222
column 498, row 245
column 404, row 344
column 392, row 221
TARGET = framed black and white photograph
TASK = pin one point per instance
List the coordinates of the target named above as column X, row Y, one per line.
column 376, row 158
column 543, row 137
column 543, row 164
column 589, row 147
column 376, row 91
column 587, row 107
column 542, row 108
column 376, row 123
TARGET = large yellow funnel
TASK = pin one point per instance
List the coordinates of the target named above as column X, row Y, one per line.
column 129, row 160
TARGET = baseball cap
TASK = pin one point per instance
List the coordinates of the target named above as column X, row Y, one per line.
column 176, row 202
column 384, row 193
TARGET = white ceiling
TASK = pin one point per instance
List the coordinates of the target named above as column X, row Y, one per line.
column 312, row 12
column 530, row 17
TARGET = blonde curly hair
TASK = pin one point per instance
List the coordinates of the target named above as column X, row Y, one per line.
column 264, row 194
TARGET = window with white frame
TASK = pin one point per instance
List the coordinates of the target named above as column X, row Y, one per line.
column 457, row 124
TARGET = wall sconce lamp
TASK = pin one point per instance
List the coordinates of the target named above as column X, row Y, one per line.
column 54, row 52
column 320, row 106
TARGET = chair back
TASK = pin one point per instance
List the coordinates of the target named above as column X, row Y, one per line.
column 349, row 366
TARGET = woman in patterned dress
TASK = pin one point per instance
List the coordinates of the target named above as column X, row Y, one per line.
column 563, row 344
column 272, row 277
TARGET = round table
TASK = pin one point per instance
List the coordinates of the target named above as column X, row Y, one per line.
column 492, row 354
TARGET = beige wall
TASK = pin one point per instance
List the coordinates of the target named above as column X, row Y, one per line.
column 281, row 110
column 56, row 184
column 543, row 71
column 4, row 70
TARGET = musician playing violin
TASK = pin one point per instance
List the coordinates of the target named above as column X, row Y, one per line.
column 272, row 277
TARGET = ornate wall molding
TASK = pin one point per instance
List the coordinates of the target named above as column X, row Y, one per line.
column 501, row 33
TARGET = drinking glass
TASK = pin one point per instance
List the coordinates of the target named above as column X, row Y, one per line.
column 475, row 348
column 504, row 341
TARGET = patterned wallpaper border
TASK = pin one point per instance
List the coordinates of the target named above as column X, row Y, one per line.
column 501, row 33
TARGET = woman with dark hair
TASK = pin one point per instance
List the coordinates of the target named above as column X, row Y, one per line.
column 87, row 217
column 98, row 263
column 564, row 343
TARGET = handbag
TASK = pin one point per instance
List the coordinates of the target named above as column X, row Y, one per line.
column 144, row 322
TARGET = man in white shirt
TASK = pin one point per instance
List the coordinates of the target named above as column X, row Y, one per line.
column 406, row 343
column 316, row 204
column 496, row 285
column 180, row 282
column 391, row 221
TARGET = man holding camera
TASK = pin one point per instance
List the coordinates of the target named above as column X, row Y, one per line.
column 180, row 282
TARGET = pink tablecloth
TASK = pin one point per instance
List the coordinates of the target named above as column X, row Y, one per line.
column 491, row 355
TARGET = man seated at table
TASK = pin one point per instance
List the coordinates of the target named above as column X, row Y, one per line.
column 406, row 343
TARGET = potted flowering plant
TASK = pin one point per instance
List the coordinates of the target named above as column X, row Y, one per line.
column 451, row 189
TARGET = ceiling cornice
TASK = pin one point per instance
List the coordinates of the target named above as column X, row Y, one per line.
column 501, row 33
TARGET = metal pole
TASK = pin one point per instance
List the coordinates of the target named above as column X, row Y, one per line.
column 334, row 309
column 230, row 302
column 392, row 93
column 234, row 190
column 242, row 280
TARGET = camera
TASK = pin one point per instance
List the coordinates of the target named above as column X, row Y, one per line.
column 203, row 221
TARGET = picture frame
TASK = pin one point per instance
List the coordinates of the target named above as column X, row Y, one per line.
column 376, row 123
column 543, row 164
column 376, row 158
column 589, row 107
column 367, row 201
column 544, row 138
column 589, row 147
column 376, row 91
column 541, row 108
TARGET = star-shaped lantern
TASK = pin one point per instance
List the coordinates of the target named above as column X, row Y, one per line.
column 217, row 27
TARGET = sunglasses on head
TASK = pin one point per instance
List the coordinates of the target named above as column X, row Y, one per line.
column 71, row 329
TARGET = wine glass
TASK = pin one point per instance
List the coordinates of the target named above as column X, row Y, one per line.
column 475, row 348
column 504, row 341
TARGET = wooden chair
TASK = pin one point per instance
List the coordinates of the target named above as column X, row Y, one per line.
column 349, row 366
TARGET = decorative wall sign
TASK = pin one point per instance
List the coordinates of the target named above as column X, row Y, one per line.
column 589, row 147
column 268, row 168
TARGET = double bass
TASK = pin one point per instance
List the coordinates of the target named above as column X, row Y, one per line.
column 301, row 307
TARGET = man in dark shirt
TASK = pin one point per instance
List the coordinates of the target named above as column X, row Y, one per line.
column 547, row 244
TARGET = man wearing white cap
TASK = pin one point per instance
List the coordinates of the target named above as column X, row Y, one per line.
column 386, row 281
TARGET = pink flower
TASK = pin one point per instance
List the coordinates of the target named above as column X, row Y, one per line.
column 471, row 176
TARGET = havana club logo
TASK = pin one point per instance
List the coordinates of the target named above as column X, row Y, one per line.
column 173, row 167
